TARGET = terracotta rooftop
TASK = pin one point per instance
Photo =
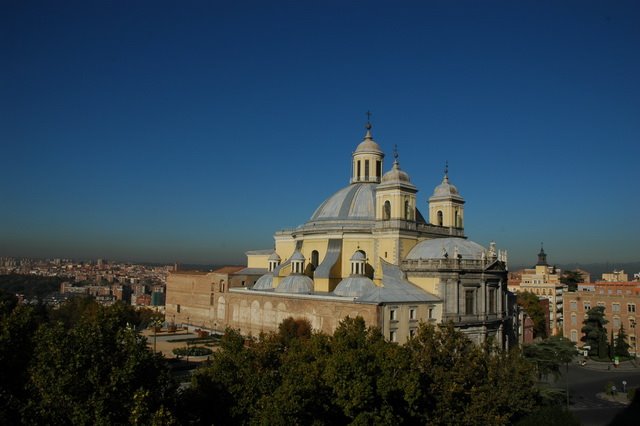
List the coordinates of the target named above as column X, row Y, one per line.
column 228, row 269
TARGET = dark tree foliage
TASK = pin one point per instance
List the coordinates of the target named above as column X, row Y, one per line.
column 18, row 324
column 356, row 377
column 621, row 347
column 30, row 285
column 594, row 333
column 532, row 306
column 89, row 368
column 550, row 354
column 89, row 374
column 571, row 279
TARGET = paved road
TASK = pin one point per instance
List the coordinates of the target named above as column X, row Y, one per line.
column 584, row 384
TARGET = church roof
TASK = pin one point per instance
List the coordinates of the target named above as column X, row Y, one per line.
column 265, row 282
column 396, row 175
column 228, row 269
column 395, row 288
column 356, row 201
column 436, row 248
column 296, row 283
column 358, row 255
column 368, row 144
column 446, row 190
column 354, row 286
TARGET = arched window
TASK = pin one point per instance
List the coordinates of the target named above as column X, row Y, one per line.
column 221, row 286
column 407, row 210
column 314, row 258
column 457, row 220
column 386, row 210
column 440, row 218
column 366, row 169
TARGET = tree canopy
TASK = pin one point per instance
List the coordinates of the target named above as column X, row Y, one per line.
column 594, row 333
column 571, row 279
column 356, row 377
column 538, row 314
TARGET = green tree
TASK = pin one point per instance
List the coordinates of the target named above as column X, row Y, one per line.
column 571, row 279
column 95, row 372
column 621, row 347
column 550, row 354
column 594, row 333
column 460, row 383
column 538, row 314
column 17, row 329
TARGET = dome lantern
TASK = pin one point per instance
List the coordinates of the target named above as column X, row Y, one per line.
column 367, row 159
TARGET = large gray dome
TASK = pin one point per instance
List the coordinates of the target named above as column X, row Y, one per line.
column 295, row 283
column 356, row 201
column 265, row 282
column 435, row 249
column 354, row 286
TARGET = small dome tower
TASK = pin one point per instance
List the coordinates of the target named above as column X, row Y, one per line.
column 367, row 159
column 396, row 195
column 446, row 205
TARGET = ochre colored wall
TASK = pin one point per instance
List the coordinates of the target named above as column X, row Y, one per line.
column 256, row 313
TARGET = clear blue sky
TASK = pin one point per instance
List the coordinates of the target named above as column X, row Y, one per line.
column 191, row 131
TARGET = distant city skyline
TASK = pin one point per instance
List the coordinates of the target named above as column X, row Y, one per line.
column 191, row 133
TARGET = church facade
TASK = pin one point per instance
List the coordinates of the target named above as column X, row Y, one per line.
column 367, row 250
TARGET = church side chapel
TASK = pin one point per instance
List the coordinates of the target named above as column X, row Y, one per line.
column 368, row 251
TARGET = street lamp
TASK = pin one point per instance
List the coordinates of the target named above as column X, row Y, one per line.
column 635, row 338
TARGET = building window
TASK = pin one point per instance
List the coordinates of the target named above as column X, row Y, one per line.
column 574, row 336
column 412, row 332
column 615, row 307
column 616, row 323
column 242, row 283
column 315, row 258
column 574, row 305
column 407, row 210
column 386, row 210
column 631, row 307
column 469, row 302
column 378, row 168
column 574, row 320
column 412, row 314
column 366, row 169
column 393, row 336
column 358, row 175
column 430, row 313
column 178, row 308
column 587, row 306
column 439, row 215
column 393, row 315
column 601, row 304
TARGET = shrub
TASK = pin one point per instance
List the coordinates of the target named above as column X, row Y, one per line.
column 192, row 351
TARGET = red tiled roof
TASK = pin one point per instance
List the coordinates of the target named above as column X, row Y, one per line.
column 229, row 269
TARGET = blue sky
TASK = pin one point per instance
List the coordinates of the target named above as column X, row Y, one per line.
column 191, row 131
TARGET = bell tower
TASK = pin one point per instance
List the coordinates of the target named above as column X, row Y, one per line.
column 446, row 205
column 366, row 166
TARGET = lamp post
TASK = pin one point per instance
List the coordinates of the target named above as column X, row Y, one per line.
column 635, row 339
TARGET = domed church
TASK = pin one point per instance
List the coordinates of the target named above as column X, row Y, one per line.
column 366, row 250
